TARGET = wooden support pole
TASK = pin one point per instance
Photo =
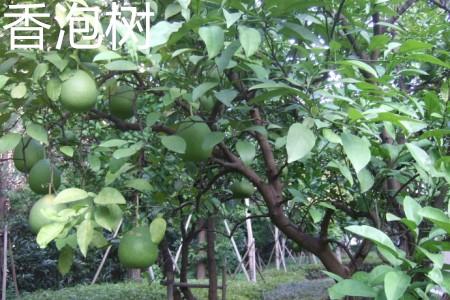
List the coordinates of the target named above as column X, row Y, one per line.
column 224, row 280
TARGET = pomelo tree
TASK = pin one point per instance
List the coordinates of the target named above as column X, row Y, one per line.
column 335, row 112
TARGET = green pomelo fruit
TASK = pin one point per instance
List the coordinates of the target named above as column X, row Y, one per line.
column 207, row 104
column 242, row 189
column 194, row 132
column 121, row 102
column 37, row 219
column 79, row 93
column 27, row 153
column 136, row 249
column 41, row 175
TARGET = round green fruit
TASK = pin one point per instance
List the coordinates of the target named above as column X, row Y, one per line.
column 79, row 93
column 37, row 219
column 136, row 249
column 207, row 104
column 121, row 102
column 27, row 153
column 194, row 132
column 242, row 189
column 41, row 175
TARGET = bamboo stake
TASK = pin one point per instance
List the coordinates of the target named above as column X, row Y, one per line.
column 100, row 267
column 236, row 250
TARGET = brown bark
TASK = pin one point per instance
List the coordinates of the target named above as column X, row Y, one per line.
column 184, row 268
column 167, row 264
column 212, row 267
column 201, row 266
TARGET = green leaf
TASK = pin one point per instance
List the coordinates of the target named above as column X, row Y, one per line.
column 226, row 96
column 19, row 91
column 109, row 195
column 152, row 118
column 3, row 80
column 247, row 151
column 436, row 258
column 108, row 216
column 213, row 37
column 300, row 142
column 140, row 185
column 420, row 156
column 427, row 58
column 160, row 33
column 301, row 32
column 40, row 71
column 412, row 209
column 345, row 171
column 121, row 65
column 413, row 45
column 107, row 55
column 351, row 287
column 71, row 195
column 174, row 143
column 395, row 284
column 331, row 136
column 85, row 233
column 98, row 240
column 48, row 233
column 376, row 276
column 437, row 216
column 184, row 3
column 67, row 150
column 365, row 179
column 127, row 152
column 224, row 60
column 9, row 141
column 157, row 230
column 202, row 89
column 231, row 18
column 57, row 61
column 361, row 65
column 212, row 139
column 65, row 260
column 37, row 132
column 53, row 89
column 357, row 150
column 373, row 234
column 113, row 143
column 250, row 39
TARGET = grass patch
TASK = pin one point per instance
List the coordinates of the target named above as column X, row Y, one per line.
column 237, row 289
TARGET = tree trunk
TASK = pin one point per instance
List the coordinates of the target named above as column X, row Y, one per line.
column 212, row 268
column 273, row 196
column 134, row 275
column 168, row 270
column 201, row 266
column 184, row 268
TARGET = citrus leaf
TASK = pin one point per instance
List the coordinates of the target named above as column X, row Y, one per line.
column 300, row 141
column 71, row 195
column 109, row 195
